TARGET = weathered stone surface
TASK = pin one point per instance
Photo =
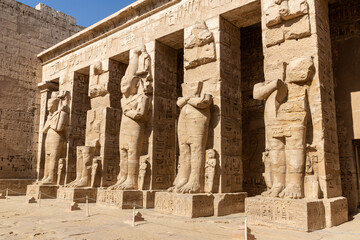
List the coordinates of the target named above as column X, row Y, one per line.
column 47, row 191
column 124, row 199
column 303, row 215
column 15, row 186
column 229, row 203
column 78, row 195
column 25, row 32
column 336, row 211
column 185, row 205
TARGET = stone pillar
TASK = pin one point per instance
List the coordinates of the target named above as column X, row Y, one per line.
column 300, row 118
column 304, row 32
column 103, row 119
column 46, row 88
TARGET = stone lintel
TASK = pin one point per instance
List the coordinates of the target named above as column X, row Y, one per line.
column 123, row 199
column 47, row 191
column 229, row 203
column 185, row 205
column 77, row 194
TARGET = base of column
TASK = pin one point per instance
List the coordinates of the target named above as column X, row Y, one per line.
column 336, row 211
column 295, row 214
column 229, row 203
column 78, row 195
column 47, row 191
column 185, row 205
column 15, row 187
column 125, row 199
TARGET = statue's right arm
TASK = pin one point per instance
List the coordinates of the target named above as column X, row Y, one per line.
column 264, row 89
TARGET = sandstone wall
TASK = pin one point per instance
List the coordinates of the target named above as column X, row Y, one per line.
column 345, row 37
column 24, row 33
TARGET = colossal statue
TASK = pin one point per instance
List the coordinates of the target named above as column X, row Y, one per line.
column 135, row 103
column 55, row 129
column 193, row 128
column 286, row 117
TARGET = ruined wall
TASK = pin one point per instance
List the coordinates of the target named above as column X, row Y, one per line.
column 345, row 36
column 24, row 33
column 252, row 72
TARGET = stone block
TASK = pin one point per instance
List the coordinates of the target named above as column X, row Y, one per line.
column 294, row 214
column 47, row 191
column 274, row 35
column 74, row 206
column 272, row 15
column 77, row 194
column 123, row 199
column 336, row 211
column 16, row 187
column 185, row 205
column 297, row 28
column 149, row 199
column 229, row 203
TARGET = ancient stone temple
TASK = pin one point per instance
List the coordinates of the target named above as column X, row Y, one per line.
column 206, row 108
column 24, row 33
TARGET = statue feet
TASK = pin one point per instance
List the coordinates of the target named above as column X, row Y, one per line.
column 292, row 191
column 117, row 185
column 82, row 182
column 274, row 191
column 125, row 185
column 46, row 181
column 190, row 187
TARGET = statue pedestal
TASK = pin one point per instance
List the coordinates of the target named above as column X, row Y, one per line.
column 185, row 205
column 296, row 214
column 77, row 194
column 229, row 203
column 125, row 199
column 47, row 191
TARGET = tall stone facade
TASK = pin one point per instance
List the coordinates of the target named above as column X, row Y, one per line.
column 25, row 32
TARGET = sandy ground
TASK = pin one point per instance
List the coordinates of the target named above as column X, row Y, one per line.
column 53, row 220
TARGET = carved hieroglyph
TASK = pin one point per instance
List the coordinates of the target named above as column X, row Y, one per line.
column 55, row 129
column 135, row 104
column 286, row 114
column 193, row 129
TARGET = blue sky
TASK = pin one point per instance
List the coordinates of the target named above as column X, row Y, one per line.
column 86, row 12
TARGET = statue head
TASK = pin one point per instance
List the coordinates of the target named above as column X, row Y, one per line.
column 53, row 104
column 129, row 85
column 211, row 153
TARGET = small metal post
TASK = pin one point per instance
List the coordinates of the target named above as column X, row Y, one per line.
column 133, row 223
column 87, row 206
column 39, row 199
column 7, row 194
column 246, row 233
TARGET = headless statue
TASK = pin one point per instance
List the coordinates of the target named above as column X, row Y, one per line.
column 135, row 105
column 54, row 129
column 286, row 116
column 192, row 133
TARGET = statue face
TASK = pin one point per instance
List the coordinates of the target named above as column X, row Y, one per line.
column 52, row 105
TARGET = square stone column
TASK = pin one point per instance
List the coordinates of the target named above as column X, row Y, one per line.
column 303, row 31
column 46, row 88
